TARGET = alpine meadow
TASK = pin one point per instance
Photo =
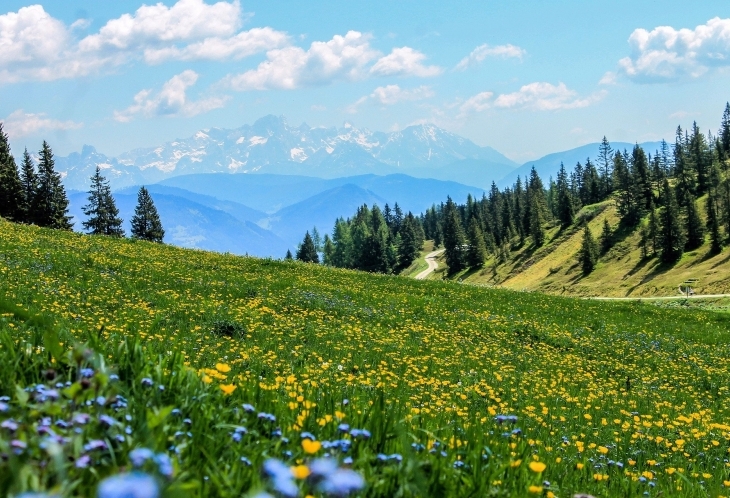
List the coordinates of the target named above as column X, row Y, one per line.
column 485, row 254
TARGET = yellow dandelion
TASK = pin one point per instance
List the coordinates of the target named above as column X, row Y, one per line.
column 537, row 467
column 227, row 389
column 310, row 447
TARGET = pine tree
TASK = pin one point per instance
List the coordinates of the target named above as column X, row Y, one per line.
column 694, row 228
column 307, row 253
column 642, row 179
column 606, row 238
column 625, row 188
column 409, row 241
column 29, row 184
column 11, row 189
column 588, row 254
column 146, row 224
column 683, row 171
column 288, row 256
column 317, row 240
column 328, row 249
column 654, row 230
column 671, row 235
column 51, row 208
column 454, row 241
column 477, row 252
column 711, row 207
column 102, row 211
column 725, row 131
column 342, row 255
column 565, row 200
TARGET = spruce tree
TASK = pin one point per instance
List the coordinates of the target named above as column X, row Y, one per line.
column 654, row 230
column 51, row 209
column 409, row 242
column 588, row 254
column 605, row 166
column 565, row 200
column 288, row 256
column 477, row 252
column 453, row 235
column 102, row 211
column 307, row 252
column 328, row 249
column 694, row 228
column 725, row 131
column 536, row 221
column 146, row 224
column 29, row 184
column 713, row 225
column 11, row 189
column 671, row 236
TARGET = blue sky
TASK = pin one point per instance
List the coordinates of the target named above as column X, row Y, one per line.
column 527, row 78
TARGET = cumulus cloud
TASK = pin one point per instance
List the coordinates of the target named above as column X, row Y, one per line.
column 391, row 95
column 342, row 57
column 478, row 103
column 483, row 51
column 36, row 46
column 171, row 100
column 667, row 54
column 404, row 61
column 20, row 124
column 540, row 96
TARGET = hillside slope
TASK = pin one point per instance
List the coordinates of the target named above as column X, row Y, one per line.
column 621, row 272
column 227, row 369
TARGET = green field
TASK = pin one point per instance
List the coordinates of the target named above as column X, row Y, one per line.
column 465, row 391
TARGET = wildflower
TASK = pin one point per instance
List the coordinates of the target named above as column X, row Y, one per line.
column 222, row 367
column 535, row 489
column 87, row 373
column 300, row 471
column 310, row 447
column 341, row 483
column 147, row 382
column 82, row 462
column 537, row 467
column 132, row 485
column 248, row 408
column 10, row 425
column 281, row 478
column 139, row 456
column 164, row 464
column 227, row 389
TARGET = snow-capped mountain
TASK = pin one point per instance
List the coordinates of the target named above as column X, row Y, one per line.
column 271, row 145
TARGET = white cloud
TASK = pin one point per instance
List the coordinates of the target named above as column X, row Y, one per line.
column 404, row 61
column 36, row 46
column 483, row 51
column 391, row 95
column 244, row 44
column 172, row 100
column 667, row 54
column 342, row 57
column 478, row 103
column 540, row 96
column 20, row 124
column 185, row 20
column 608, row 79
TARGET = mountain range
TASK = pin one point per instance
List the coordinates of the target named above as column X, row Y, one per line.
column 271, row 145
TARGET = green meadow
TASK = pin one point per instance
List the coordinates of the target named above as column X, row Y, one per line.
column 203, row 374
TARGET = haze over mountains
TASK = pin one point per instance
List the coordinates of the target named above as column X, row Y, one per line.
column 258, row 188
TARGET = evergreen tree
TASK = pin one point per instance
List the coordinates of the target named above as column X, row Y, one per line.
column 699, row 156
column 565, row 200
column 11, row 190
column 410, row 241
column 725, row 131
column 654, row 230
column 605, row 167
column 29, row 184
column 644, row 241
column 328, row 250
column 625, row 189
column 588, row 254
column 146, row 224
column 712, row 208
column 642, row 179
column 51, row 209
column 536, row 221
column 477, row 252
column 606, row 238
column 397, row 218
column 317, row 240
column 288, row 256
column 454, row 239
column 102, row 211
column 342, row 254
column 307, row 252
column 695, row 229
column 671, row 236
column 683, row 171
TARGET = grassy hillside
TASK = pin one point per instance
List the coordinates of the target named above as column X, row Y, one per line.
column 621, row 272
column 213, row 375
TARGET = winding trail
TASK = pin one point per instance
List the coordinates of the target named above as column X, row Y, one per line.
column 432, row 264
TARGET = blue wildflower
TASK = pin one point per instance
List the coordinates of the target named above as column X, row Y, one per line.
column 132, row 485
column 341, row 483
column 147, row 382
column 87, row 372
column 164, row 464
column 82, row 462
column 139, row 456
column 248, row 408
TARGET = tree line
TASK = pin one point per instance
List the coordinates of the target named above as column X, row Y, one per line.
column 35, row 195
column 654, row 193
column 373, row 240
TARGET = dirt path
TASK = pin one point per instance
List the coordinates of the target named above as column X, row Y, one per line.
column 432, row 264
column 660, row 298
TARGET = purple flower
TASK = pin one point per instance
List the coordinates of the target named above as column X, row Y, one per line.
column 82, row 462
column 10, row 425
column 96, row 444
column 18, row 444
column 106, row 421
column 81, row 419
column 132, row 485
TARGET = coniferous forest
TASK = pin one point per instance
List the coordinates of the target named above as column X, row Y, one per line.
column 656, row 192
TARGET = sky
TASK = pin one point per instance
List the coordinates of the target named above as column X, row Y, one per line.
column 527, row 78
